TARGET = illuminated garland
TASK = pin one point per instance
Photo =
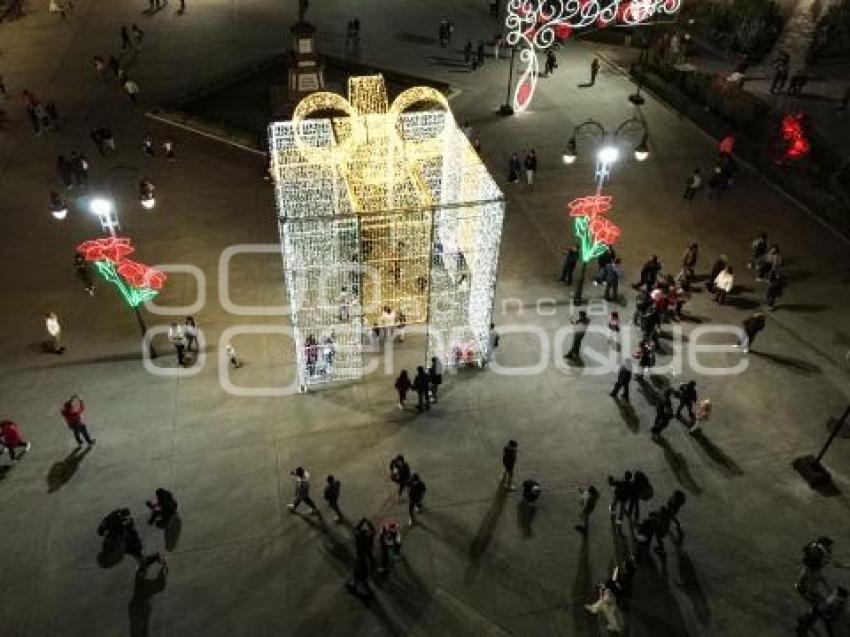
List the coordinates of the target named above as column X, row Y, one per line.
column 536, row 24
column 136, row 282
column 594, row 231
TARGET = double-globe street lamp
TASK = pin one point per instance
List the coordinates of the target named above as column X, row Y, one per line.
column 607, row 154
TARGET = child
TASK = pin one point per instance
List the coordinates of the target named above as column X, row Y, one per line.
column 233, row 356
column 614, row 331
column 702, row 414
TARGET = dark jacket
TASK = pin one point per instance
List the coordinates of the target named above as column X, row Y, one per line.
column 332, row 491
column 416, row 491
column 509, row 457
column 625, row 373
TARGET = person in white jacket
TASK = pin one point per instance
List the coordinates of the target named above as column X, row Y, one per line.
column 723, row 284
column 54, row 330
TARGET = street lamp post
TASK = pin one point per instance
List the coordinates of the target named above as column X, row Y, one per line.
column 607, row 155
column 506, row 108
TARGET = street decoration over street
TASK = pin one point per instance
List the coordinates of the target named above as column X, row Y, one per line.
column 135, row 281
column 795, row 136
column 534, row 25
column 594, row 231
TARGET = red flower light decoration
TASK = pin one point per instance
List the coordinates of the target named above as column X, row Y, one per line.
column 590, row 206
column 604, row 230
column 793, row 133
column 137, row 282
column 594, row 231
column 110, row 249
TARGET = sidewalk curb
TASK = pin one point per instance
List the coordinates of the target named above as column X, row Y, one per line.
column 769, row 182
column 202, row 133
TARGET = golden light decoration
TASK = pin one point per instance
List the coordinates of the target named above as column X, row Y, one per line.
column 383, row 206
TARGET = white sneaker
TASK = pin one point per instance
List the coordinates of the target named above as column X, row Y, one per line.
column 28, row 447
column 291, row 507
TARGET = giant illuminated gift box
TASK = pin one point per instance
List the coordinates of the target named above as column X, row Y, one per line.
column 383, row 205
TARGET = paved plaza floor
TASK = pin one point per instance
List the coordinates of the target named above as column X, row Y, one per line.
column 477, row 564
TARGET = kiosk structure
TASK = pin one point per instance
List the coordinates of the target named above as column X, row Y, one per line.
column 387, row 217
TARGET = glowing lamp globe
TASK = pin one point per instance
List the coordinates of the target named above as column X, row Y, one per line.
column 608, row 154
column 100, row 206
column 148, row 203
column 59, row 213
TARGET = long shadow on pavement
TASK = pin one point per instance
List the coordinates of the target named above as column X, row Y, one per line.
column 482, row 538
column 628, row 415
column 61, row 472
column 795, row 364
column 717, row 454
column 690, row 584
column 583, row 621
column 139, row 609
column 679, row 466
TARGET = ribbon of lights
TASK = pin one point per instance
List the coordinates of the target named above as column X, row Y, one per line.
column 136, row 282
column 594, row 231
column 382, row 206
column 534, row 25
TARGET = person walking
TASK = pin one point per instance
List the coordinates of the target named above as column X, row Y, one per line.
column 827, row 609
column 72, row 412
column 775, row 287
column 716, row 268
column 587, row 497
column 689, row 263
column 662, row 529
column 624, row 378
column 54, row 331
column 551, row 63
column 232, row 355
column 649, row 274
column 125, row 38
column 622, row 490
column 435, row 377
column 493, row 339
column 530, row 168
column 402, row 386
column 415, row 496
column 580, row 330
column 421, row 384
column 645, row 357
column 81, row 268
column 514, row 168
column 163, row 508
column 641, row 490
column 611, row 275
column 687, row 396
column 390, row 542
column 12, row 439
column 400, row 473
column 663, row 413
column 752, row 326
column 594, row 71
column 177, row 338
column 780, row 74
column 147, row 144
column 301, row 477
column 614, row 332
column 723, row 284
column 570, row 262
column 770, row 263
column 693, row 184
column 138, row 36
column 168, row 149
column 674, row 504
column 331, row 495
column 190, row 330
column 715, row 183
column 509, row 455
column 133, row 546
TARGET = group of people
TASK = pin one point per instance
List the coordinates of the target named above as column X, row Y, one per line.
column 43, row 117
column 184, row 338
column 529, row 165
column 426, row 384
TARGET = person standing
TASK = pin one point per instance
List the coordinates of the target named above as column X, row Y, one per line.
column 390, row 541
column 648, row 274
column 509, row 455
column 752, row 326
column 624, row 378
column 702, row 415
column 177, row 337
column 132, row 90
column 54, row 330
column 689, row 262
column 611, row 275
column 513, row 168
column 168, row 148
column 72, row 411
column 147, row 144
column 715, row 183
column 674, row 504
column 775, row 287
column 770, row 263
column 301, row 478
column 400, row 473
column 718, row 267
column 570, row 262
column 479, row 53
column 780, row 74
column 530, row 167
column 81, row 268
column 587, row 497
column 232, row 356
column 594, row 71
column 163, row 508
column 492, row 343
column 693, row 184
column 331, row 495
column 663, row 413
column 580, row 330
column 421, row 384
column 191, row 332
column 723, row 284
column 402, row 386
column 12, row 439
column 687, row 399
column 435, row 377
column 364, row 542
column 138, row 36
column 415, row 495
column 614, row 331
column 551, row 63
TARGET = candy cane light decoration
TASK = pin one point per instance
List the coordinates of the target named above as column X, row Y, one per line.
column 534, row 25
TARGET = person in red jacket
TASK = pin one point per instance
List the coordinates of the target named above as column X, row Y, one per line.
column 10, row 435
column 72, row 412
